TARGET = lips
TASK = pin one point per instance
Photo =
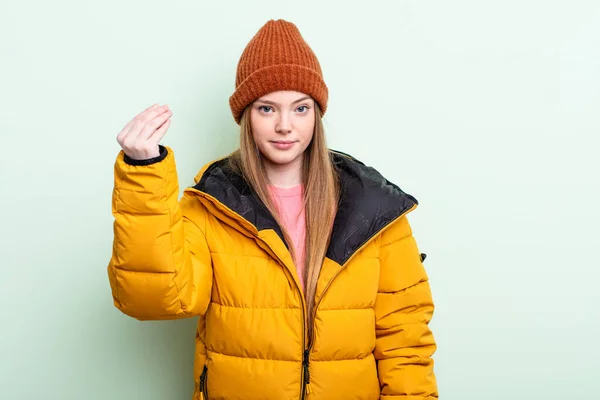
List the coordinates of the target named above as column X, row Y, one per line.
column 283, row 144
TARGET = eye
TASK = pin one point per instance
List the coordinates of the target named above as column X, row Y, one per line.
column 265, row 109
column 302, row 109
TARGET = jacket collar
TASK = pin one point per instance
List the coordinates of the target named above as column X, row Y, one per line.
column 368, row 203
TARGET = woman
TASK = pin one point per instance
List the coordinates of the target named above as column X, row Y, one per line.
column 299, row 261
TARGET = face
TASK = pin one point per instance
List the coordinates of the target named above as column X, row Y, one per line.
column 282, row 125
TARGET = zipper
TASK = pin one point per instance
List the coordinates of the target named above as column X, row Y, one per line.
column 312, row 339
column 306, row 359
column 305, row 374
column 202, row 386
column 306, row 364
column 305, row 353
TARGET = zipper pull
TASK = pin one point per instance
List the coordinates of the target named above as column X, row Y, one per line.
column 307, row 371
column 202, row 385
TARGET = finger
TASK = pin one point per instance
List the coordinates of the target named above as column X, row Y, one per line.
column 151, row 126
column 160, row 132
column 141, row 115
column 152, row 106
column 141, row 122
column 127, row 127
column 154, row 111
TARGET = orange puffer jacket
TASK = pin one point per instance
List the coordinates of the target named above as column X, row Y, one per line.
column 218, row 254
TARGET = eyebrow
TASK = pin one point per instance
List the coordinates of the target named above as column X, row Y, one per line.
column 276, row 104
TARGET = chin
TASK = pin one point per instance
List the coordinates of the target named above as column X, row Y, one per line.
column 281, row 158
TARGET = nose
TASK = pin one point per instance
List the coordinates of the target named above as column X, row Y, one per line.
column 284, row 124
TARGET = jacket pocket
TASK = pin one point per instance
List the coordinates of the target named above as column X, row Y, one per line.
column 202, row 385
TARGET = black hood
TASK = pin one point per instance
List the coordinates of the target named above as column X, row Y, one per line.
column 368, row 202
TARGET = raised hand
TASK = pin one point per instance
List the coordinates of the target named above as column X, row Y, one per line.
column 140, row 137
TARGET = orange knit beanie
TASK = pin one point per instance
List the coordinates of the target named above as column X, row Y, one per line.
column 277, row 58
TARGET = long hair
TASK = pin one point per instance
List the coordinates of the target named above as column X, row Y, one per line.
column 321, row 194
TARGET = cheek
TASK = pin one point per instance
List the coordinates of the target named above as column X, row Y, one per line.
column 260, row 128
column 307, row 127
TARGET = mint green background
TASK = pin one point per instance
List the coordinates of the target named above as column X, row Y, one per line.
column 487, row 112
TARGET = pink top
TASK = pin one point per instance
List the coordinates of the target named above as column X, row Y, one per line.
column 289, row 204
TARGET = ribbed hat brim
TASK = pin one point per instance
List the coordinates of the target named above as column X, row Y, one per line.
column 275, row 78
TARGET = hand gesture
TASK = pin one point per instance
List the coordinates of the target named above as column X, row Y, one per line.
column 140, row 137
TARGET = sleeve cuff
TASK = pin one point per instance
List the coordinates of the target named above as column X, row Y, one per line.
column 148, row 161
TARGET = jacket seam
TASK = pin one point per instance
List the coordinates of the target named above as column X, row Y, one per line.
column 143, row 272
column 240, row 255
column 424, row 280
column 185, row 240
column 290, row 361
column 116, row 247
column 252, row 358
column 202, row 232
column 345, row 359
column 419, row 322
column 255, row 308
column 174, row 263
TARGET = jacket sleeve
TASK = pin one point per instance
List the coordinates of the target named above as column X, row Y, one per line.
column 403, row 310
column 160, row 266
